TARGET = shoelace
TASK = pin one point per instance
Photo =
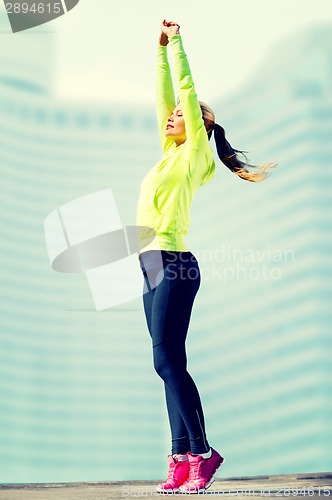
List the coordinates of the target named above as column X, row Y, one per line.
column 194, row 471
column 171, row 470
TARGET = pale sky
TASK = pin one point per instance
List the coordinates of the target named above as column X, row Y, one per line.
column 107, row 50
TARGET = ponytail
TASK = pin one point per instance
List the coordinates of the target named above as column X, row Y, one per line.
column 229, row 157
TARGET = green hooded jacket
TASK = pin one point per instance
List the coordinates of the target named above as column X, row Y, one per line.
column 167, row 190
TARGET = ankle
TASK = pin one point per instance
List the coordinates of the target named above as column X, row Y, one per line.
column 205, row 455
column 180, row 457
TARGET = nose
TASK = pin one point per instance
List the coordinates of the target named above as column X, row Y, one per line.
column 170, row 118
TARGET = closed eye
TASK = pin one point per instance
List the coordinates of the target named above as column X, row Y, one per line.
column 177, row 114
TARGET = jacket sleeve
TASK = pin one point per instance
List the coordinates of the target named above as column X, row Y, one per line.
column 195, row 129
column 165, row 99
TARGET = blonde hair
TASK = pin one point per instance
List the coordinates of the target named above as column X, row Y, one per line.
column 227, row 154
column 208, row 117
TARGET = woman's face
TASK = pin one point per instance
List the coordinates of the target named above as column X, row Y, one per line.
column 175, row 127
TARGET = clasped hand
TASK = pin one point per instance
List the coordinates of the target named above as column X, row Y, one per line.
column 168, row 28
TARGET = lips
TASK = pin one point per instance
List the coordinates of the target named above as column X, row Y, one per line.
column 169, row 126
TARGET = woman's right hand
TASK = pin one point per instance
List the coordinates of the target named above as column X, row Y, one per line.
column 168, row 29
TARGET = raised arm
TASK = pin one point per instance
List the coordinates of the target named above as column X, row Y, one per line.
column 165, row 99
column 195, row 129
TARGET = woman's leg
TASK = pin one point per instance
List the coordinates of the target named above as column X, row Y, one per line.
column 180, row 437
column 169, row 313
column 179, row 432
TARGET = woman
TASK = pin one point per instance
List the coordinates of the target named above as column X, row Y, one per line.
column 171, row 272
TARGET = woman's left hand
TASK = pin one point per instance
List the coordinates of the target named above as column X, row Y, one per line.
column 170, row 28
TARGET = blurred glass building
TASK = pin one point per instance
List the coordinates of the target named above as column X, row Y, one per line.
column 79, row 398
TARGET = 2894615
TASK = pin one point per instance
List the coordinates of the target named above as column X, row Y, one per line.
column 35, row 8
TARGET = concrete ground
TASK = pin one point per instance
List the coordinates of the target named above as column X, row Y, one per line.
column 317, row 485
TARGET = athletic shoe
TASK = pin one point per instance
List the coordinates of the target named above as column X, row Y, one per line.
column 178, row 473
column 201, row 474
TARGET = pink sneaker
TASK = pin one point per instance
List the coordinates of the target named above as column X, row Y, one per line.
column 178, row 473
column 201, row 474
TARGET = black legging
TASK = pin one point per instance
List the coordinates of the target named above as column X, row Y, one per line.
column 171, row 281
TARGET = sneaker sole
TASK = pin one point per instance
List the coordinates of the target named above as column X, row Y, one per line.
column 168, row 492
column 202, row 490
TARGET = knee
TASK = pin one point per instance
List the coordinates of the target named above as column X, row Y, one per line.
column 165, row 365
column 169, row 362
column 163, row 368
